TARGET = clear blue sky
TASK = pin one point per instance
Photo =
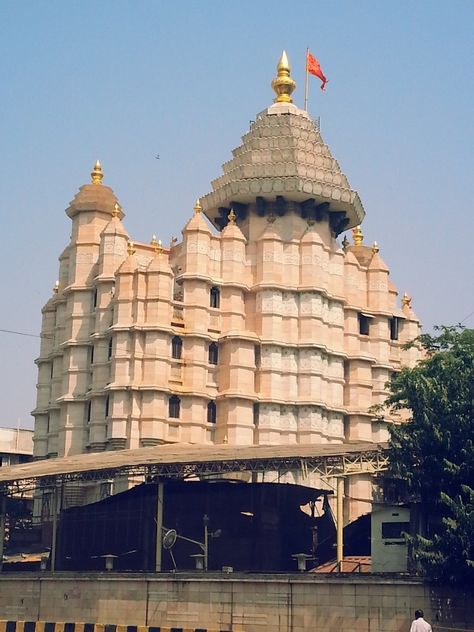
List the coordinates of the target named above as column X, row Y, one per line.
column 124, row 80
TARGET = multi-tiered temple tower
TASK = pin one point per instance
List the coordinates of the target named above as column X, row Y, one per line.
column 259, row 327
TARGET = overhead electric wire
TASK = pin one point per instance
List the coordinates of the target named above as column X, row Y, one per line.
column 19, row 333
column 468, row 316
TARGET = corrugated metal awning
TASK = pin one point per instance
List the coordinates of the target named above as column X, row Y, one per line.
column 186, row 455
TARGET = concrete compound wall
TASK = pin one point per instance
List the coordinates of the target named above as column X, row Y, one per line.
column 256, row 603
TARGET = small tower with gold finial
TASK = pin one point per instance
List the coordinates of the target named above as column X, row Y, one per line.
column 358, row 236
column 283, row 84
column 157, row 245
column 375, row 248
column 130, row 248
column 96, row 173
column 197, row 207
column 231, row 216
column 406, row 301
column 116, row 211
column 56, row 287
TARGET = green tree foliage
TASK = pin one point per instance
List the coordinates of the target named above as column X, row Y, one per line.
column 434, row 451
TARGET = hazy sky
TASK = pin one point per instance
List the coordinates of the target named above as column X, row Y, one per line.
column 125, row 80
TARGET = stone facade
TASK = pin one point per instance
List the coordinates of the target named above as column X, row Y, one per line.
column 257, row 328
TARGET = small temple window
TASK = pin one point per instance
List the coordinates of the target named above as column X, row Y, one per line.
column 213, row 353
column 88, row 411
column 256, row 413
column 215, row 297
column 107, row 406
column 176, row 347
column 346, row 370
column 94, row 298
column 258, row 355
column 211, row 413
column 91, row 355
column 364, row 324
column 394, row 325
column 174, row 407
column 110, row 349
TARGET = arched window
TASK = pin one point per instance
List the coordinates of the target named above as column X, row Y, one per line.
column 213, row 353
column 110, row 349
column 211, row 413
column 107, row 406
column 176, row 347
column 215, row 297
column 174, row 407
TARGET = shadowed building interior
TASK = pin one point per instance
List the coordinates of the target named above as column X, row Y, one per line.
column 251, row 527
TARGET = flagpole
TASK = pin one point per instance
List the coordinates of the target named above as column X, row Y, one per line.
column 306, row 82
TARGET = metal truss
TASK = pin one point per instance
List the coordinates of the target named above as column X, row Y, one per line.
column 329, row 466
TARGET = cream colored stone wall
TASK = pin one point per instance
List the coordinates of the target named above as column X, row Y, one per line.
column 286, row 603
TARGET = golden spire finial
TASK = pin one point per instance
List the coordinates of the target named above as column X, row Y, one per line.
column 158, row 246
column 345, row 243
column 96, row 173
column 375, row 248
column 406, row 300
column 283, row 84
column 197, row 207
column 231, row 216
column 130, row 248
column 153, row 241
column 226, row 440
column 56, row 287
column 358, row 236
column 116, row 211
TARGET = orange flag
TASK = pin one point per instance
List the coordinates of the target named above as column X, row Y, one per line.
column 313, row 67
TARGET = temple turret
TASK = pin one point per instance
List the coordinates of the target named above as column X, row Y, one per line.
column 283, row 166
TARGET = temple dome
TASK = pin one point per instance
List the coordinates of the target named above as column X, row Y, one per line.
column 283, row 155
column 94, row 197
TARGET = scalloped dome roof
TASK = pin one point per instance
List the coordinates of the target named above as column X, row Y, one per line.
column 284, row 155
column 93, row 197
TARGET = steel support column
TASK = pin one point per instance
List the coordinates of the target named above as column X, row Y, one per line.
column 340, row 522
column 159, row 525
column 55, row 500
column 3, row 506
